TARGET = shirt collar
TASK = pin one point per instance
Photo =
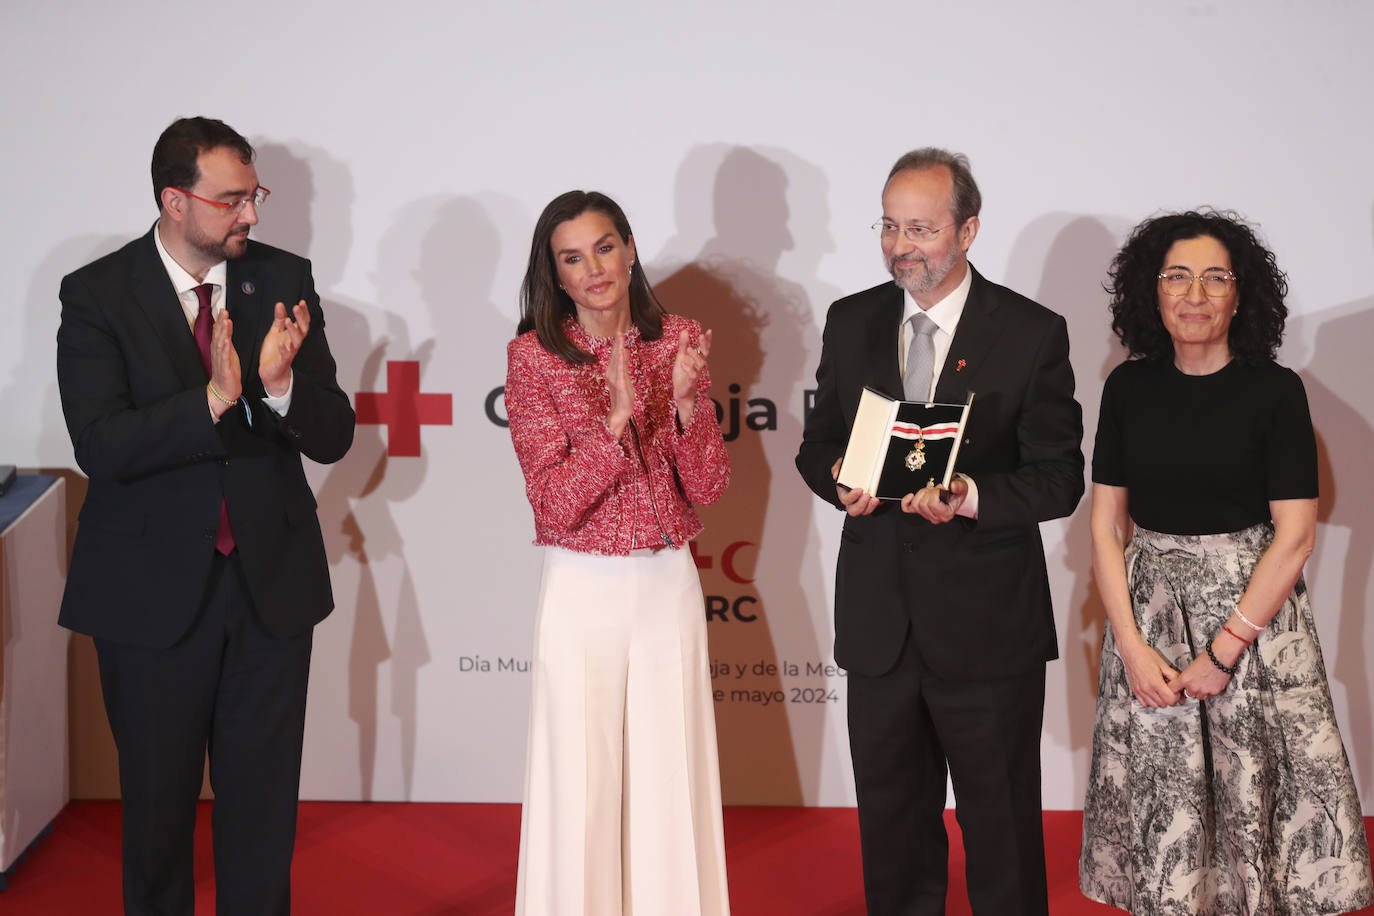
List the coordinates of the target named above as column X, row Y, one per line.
column 947, row 311
column 181, row 280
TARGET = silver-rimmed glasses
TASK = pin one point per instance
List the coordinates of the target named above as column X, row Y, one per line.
column 888, row 230
column 1217, row 284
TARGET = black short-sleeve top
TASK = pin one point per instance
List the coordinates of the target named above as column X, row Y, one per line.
column 1204, row 454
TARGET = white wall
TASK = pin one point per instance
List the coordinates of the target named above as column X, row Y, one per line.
column 410, row 146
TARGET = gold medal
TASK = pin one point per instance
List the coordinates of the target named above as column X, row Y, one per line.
column 916, row 458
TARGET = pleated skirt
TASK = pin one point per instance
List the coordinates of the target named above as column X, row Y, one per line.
column 622, row 810
column 1239, row 805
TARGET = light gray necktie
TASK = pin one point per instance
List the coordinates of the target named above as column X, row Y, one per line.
column 920, row 359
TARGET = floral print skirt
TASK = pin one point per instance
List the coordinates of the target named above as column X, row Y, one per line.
column 1239, row 805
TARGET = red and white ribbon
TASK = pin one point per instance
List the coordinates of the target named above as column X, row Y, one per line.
column 938, row 431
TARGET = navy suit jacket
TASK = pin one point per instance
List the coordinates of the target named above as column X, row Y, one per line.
column 976, row 598
column 133, row 393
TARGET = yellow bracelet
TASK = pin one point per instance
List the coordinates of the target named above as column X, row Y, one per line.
column 219, row 397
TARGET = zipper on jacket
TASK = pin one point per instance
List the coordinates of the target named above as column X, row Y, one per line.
column 649, row 477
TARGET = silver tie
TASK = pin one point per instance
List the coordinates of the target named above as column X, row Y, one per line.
column 920, row 359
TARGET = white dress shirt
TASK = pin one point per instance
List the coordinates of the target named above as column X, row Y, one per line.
column 216, row 276
column 946, row 314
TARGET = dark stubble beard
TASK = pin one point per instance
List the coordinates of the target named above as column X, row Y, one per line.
column 228, row 248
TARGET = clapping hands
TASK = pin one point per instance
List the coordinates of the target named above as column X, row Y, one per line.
column 688, row 365
column 621, row 387
column 280, row 345
column 686, row 369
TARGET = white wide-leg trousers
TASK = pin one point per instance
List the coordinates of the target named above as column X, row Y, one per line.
column 622, row 783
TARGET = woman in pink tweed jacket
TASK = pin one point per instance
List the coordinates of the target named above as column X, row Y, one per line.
column 597, row 491
column 617, row 438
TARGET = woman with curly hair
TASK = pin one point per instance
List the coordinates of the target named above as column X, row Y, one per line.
column 1219, row 784
column 616, row 434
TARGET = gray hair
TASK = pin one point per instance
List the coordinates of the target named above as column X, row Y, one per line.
column 965, row 201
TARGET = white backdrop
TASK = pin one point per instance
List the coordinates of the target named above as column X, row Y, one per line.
column 409, row 147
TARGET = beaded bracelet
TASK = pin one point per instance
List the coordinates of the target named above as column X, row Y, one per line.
column 1220, row 667
column 219, row 397
column 1246, row 620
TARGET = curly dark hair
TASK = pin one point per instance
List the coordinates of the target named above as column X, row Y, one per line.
column 543, row 304
column 1133, row 282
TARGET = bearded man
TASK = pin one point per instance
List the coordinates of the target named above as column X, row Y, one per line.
column 942, row 603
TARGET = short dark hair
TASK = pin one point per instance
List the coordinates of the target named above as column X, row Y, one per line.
column 965, row 200
column 1133, row 283
column 543, row 305
column 176, row 151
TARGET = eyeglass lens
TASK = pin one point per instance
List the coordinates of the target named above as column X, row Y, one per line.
column 1215, row 284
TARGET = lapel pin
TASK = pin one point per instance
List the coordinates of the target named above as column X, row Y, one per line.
column 959, row 367
column 248, row 287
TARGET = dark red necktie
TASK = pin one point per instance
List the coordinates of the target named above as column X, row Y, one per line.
column 224, row 535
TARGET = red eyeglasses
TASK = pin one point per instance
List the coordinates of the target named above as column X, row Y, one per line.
column 257, row 198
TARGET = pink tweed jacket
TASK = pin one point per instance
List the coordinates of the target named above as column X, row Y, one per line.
column 591, row 492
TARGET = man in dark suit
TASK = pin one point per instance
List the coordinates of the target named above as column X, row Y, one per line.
column 942, row 604
column 191, row 390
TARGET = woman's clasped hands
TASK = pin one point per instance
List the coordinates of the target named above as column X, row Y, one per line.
column 1157, row 684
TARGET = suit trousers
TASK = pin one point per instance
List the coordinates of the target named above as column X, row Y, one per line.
column 907, row 729
column 622, row 788
column 231, row 687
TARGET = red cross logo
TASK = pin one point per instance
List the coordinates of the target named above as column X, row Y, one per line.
column 403, row 408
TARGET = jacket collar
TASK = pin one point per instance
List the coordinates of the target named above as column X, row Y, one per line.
column 975, row 333
column 597, row 346
column 243, row 296
column 977, row 330
column 158, row 300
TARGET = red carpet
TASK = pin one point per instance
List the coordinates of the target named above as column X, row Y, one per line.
column 459, row 860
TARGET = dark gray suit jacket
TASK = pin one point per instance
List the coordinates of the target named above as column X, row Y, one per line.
column 977, row 598
column 133, row 393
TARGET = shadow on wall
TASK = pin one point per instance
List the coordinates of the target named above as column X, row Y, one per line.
column 1336, row 375
column 765, row 600
column 93, row 770
column 1067, row 277
column 459, row 247
column 435, row 270
column 361, row 536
